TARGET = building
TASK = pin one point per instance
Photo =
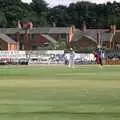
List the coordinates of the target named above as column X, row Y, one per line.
column 6, row 43
column 36, row 38
column 40, row 38
column 91, row 38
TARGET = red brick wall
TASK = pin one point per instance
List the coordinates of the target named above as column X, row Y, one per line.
column 3, row 45
column 55, row 36
column 7, row 46
column 12, row 46
column 35, row 39
column 38, row 39
column 84, row 43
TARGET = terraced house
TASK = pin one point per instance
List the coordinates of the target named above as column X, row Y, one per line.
column 6, row 43
column 39, row 38
column 90, row 38
column 52, row 37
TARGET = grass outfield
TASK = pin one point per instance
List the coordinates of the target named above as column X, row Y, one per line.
column 59, row 93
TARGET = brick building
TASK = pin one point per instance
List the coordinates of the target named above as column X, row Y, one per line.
column 38, row 38
column 92, row 38
column 6, row 43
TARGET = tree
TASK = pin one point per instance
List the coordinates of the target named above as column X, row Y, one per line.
column 95, row 15
column 58, row 16
column 3, row 20
column 40, row 8
column 13, row 10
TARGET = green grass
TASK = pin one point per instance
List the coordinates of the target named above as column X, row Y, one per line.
column 59, row 93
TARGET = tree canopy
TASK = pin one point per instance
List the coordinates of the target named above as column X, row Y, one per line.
column 95, row 15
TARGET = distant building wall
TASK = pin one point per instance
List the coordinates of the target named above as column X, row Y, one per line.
column 7, row 46
column 37, row 40
column 12, row 46
column 3, row 45
column 57, row 37
column 84, row 43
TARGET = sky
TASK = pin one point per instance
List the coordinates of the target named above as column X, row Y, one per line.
column 53, row 3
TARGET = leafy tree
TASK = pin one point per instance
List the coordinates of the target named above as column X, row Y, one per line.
column 40, row 8
column 13, row 10
column 95, row 15
column 3, row 20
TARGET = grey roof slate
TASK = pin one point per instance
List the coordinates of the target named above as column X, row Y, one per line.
column 6, row 38
column 92, row 34
column 106, row 36
column 8, row 30
column 59, row 30
column 49, row 38
column 45, row 30
column 40, row 30
column 77, row 35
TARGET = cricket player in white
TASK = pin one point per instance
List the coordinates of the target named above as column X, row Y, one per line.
column 71, row 58
column 66, row 59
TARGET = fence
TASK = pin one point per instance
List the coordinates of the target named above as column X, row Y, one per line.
column 112, row 57
column 112, row 62
column 49, row 57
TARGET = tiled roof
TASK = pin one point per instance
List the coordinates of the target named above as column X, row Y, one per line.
column 92, row 34
column 40, row 30
column 45, row 30
column 77, row 35
column 106, row 36
column 117, row 36
column 6, row 38
column 59, row 30
column 8, row 30
column 49, row 38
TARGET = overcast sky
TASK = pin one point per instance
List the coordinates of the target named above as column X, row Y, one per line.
column 67, row 2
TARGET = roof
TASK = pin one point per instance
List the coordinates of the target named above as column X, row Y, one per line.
column 6, row 38
column 117, row 36
column 89, row 33
column 59, row 30
column 106, row 36
column 9, row 30
column 44, row 30
column 77, row 35
column 92, row 34
column 49, row 38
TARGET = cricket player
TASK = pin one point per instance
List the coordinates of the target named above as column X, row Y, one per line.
column 71, row 58
column 97, row 55
column 66, row 59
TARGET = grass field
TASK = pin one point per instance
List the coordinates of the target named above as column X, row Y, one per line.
column 59, row 93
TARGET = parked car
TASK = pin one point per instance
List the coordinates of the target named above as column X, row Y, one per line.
column 4, row 61
column 23, row 61
column 14, row 61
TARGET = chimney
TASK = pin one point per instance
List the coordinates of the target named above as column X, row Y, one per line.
column 98, row 38
column 19, row 24
column 113, row 29
column 73, row 28
column 84, row 27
